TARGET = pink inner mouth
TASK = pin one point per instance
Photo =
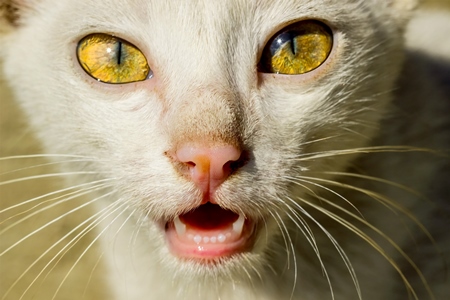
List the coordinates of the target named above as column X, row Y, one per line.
column 209, row 232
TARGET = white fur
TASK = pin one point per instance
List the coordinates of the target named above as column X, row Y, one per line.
column 204, row 54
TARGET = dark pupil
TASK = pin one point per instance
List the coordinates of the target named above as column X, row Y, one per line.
column 119, row 52
column 282, row 39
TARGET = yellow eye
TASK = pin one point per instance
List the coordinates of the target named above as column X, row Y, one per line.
column 297, row 49
column 112, row 60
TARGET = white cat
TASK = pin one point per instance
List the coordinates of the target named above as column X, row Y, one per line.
column 241, row 149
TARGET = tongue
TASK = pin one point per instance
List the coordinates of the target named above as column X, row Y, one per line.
column 209, row 217
column 209, row 232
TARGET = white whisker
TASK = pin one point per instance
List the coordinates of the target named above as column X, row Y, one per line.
column 381, row 180
column 102, row 212
column 45, row 225
column 361, row 150
column 54, row 193
column 45, row 165
column 48, row 176
column 302, row 178
column 89, row 246
column 29, row 156
column 391, row 205
column 294, row 255
column 91, row 274
column 284, row 238
column 375, row 245
column 64, row 199
column 335, row 244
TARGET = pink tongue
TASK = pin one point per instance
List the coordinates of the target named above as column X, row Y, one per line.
column 209, row 216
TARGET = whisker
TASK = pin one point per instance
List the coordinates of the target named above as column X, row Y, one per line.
column 44, row 226
column 29, row 156
column 90, row 245
column 54, row 245
column 372, row 242
column 374, row 149
column 305, row 230
column 284, row 238
column 254, row 269
column 45, row 165
column 295, row 180
column 294, row 256
column 377, row 179
column 367, row 138
column 137, row 229
column 51, row 194
column 319, row 140
column 335, row 244
column 47, row 176
column 391, row 205
column 65, row 199
column 104, row 213
column 249, row 277
column 122, row 225
column 91, row 275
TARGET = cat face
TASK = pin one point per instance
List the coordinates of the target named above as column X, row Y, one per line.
column 210, row 144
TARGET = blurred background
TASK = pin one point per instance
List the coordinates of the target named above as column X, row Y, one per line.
column 437, row 3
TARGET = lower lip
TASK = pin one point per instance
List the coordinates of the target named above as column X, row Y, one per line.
column 209, row 251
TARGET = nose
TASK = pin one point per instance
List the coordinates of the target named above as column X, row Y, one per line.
column 208, row 167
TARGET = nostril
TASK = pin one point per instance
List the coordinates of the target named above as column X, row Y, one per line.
column 190, row 164
column 240, row 162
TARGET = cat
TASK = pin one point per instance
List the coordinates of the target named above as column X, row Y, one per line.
column 229, row 150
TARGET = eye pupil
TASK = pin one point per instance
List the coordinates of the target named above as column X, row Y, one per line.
column 297, row 49
column 119, row 52
column 280, row 40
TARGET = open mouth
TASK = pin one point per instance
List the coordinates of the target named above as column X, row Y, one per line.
column 209, row 232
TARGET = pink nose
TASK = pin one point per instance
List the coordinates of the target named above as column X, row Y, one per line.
column 208, row 168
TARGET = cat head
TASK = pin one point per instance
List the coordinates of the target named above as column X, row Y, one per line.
column 203, row 120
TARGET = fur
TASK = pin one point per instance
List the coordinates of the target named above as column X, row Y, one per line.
column 340, row 159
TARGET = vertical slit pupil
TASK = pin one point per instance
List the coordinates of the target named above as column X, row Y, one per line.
column 292, row 41
column 119, row 52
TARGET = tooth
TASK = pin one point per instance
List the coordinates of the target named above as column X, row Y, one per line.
column 221, row 238
column 213, row 239
column 179, row 226
column 239, row 224
column 205, row 239
column 197, row 239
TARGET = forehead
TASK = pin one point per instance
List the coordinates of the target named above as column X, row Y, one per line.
column 207, row 16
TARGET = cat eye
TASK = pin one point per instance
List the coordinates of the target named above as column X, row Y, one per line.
column 297, row 49
column 112, row 60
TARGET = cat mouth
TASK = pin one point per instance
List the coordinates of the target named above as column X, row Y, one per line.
column 209, row 232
